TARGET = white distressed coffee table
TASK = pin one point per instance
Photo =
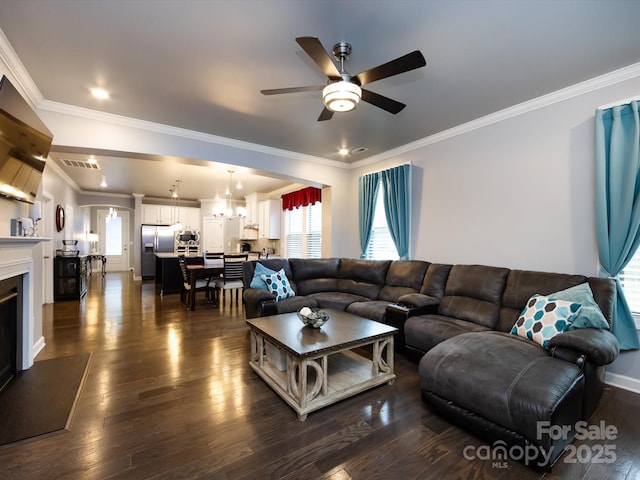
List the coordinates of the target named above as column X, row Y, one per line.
column 312, row 368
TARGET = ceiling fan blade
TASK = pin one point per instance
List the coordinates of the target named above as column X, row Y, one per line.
column 407, row 62
column 326, row 114
column 313, row 48
column 382, row 102
column 278, row 91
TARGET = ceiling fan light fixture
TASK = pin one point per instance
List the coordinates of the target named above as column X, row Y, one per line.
column 341, row 96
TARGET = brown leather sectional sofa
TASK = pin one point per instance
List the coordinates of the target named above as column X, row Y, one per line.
column 456, row 321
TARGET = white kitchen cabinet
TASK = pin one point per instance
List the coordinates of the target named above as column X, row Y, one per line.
column 189, row 218
column 269, row 221
column 157, row 214
column 252, row 205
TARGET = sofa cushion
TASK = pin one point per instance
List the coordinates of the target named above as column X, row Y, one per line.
column 473, row 293
column 508, row 380
column 522, row 284
column 315, row 274
column 423, row 332
column 362, row 277
column 371, row 309
column 543, row 318
column 403, row 277
column 337, row 300
column 590, row 315
column 435, row 280
column 293, row 304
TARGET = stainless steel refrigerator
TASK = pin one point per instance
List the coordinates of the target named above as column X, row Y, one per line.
column 155, row 239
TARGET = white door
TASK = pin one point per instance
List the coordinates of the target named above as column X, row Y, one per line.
column 212, row 234
column 113, row 233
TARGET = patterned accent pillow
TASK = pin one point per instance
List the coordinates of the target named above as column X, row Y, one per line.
column 279, row 285
column 257, row 281
column 544, row 318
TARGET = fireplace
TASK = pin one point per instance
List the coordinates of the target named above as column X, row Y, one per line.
column 9, row 301
column 17, row 287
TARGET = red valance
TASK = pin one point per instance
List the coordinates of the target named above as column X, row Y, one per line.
column 301, row 198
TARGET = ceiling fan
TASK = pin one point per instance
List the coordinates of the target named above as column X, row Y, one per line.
column 343, row 91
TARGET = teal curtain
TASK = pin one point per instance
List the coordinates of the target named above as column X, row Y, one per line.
column 396, row 183
column 618, row 204
column 367, row 190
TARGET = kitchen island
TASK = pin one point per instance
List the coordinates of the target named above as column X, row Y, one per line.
column 168, row 274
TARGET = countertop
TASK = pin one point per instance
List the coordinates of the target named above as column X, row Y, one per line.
column 174, row 255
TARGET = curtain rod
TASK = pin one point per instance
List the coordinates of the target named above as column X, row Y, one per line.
column 619, row 103
column 389, row 168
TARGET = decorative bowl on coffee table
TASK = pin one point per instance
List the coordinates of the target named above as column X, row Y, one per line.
column 313, row 317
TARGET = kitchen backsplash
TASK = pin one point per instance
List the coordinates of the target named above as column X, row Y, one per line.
column 258, row 245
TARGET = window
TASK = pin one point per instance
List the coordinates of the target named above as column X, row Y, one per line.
column 303, row 232
column 630, row 279
column 113, row 236
column 381, row 246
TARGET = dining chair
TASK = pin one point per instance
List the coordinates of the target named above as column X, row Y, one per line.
column 202, row 284
column 232, row 275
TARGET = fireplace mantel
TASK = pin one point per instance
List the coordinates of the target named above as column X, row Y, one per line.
column 21, row 241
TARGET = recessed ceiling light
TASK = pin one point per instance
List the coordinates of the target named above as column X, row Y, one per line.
column 99, row 93
column 343, row 151
column 103, row 183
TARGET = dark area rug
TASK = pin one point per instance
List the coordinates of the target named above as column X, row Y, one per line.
column 42, row 400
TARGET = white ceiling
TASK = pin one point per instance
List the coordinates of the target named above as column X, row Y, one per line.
column 200, row 65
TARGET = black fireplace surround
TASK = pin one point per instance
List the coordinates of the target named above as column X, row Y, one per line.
column 9, row 291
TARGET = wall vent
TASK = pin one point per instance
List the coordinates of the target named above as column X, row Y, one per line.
column 81, row 164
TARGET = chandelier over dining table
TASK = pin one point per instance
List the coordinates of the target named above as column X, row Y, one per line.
column 226, row 209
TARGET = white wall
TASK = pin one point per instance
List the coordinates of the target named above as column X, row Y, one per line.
column 518, row 193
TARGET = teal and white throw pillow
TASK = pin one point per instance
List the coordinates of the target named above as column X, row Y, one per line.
column 279, row 285
column 257, row 281
column 544, row 318
column 590, row 315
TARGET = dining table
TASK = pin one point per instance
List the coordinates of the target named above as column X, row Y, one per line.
column 211, row 268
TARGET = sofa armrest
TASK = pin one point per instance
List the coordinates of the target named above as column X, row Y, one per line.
column 419, row 300
column 600, row 346
column 253, row 300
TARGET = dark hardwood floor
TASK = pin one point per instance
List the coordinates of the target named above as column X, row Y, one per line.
column 170, row 395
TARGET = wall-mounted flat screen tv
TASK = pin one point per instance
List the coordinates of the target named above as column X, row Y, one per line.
column 24, row 145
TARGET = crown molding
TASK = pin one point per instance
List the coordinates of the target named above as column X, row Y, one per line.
column 96, row 193
column 596, row 83
column 18, row 73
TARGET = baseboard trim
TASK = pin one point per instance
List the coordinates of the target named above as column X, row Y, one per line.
column 622, row 381
column 38, row 346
